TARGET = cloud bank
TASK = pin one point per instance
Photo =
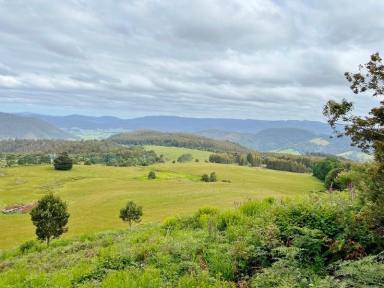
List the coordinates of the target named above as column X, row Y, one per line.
column 258, row 59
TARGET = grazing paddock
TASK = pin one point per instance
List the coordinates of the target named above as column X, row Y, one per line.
column 96, row 193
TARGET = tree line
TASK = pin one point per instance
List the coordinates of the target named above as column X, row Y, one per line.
column 274, row 161
column 122, row 156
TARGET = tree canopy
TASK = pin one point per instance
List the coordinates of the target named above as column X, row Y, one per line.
column 50, row 217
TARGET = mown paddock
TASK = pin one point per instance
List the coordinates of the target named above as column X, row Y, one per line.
column 96, row 193
column 172, row 153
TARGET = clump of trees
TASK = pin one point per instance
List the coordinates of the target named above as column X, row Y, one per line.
column 209, row 178
column 63, row 162
column 185, row 158
column 50, row 216
column 131, row 213
column 323, row 167
column 275, row 161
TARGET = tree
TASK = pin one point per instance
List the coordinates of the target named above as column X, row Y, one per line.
column 50, row 217
column 366, row 132
column 330, row 180
column 63, row 162
column 131, row 213
column 205, row 178
column 151, row 175
column 213, row 177
column 322, row 168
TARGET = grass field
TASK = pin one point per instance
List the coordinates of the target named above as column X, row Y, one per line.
column 172, row 153
column 96, row 193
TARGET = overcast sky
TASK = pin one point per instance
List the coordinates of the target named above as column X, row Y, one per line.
column 260, row 59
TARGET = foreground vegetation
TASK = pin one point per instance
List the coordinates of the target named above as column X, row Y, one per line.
column 316, row 243
column 96, row 193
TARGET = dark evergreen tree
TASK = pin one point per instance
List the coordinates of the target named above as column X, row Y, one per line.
column 63, row 162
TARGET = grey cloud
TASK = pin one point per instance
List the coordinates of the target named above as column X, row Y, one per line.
column 233, row 58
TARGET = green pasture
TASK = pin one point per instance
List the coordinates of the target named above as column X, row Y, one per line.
column 172, row 153
column 96, row 193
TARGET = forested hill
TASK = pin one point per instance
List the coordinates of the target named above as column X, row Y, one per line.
column 290, row 140
column 22, row 127
column 150, row 137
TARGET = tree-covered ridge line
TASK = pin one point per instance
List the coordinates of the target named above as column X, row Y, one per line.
column 122, row 156
column 57, row 146
column 151, row 137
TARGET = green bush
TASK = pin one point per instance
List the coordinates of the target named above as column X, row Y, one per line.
column 212, row 177
column 205, row 178
column 152, row 175
column 185, row 158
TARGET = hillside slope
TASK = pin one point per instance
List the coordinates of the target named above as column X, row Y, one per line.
column 22, row 127
column 261, row 244
column 291, row 140
column 150, row 137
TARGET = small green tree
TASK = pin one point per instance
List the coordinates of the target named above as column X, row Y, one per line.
column 131, row 213
column 213, row 177
column 63, row 162
column 50, row 217
column 151, row 175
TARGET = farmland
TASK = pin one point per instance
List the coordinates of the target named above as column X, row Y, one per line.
column 96, row 193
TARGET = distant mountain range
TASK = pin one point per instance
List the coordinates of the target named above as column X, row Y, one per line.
column 290, row 136
column 179, row 124
column 24, row 127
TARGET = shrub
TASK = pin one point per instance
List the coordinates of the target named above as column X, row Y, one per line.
column 205, row 178
column 152, row 175
column 29, row 246
column 228, row 218
column 220, row 264
column 212, row 177
column 185, row 158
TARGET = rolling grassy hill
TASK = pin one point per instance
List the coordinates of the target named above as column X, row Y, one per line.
column 96, row 193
